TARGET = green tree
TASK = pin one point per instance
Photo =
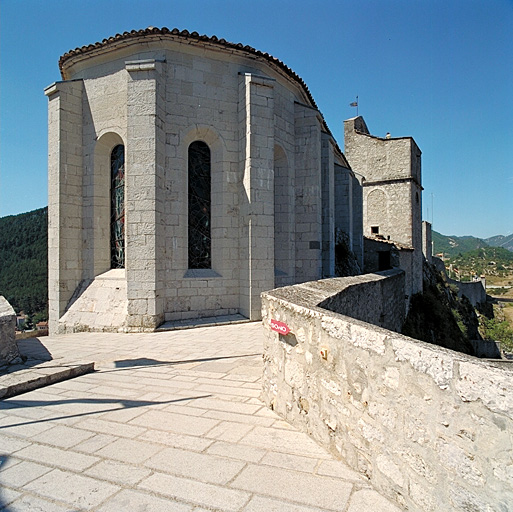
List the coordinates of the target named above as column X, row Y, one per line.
column 498, row 330
column 24, row 261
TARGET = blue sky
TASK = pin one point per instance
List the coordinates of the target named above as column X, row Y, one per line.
column 438, row 70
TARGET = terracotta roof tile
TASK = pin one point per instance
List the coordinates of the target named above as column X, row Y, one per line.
column 196, row 36
column 190, row 35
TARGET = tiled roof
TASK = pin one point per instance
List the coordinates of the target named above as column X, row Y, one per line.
column 194, row 36
column 382, row 239
column 186, row 35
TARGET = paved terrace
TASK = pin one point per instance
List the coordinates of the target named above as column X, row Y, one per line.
column 169, row 421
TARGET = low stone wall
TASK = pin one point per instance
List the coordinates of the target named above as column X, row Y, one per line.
column 486, row 348
column 431, row 428
column 475, row 291
column 9, row 353
column 374, row 298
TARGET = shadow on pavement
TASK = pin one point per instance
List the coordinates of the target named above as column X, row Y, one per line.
column 3, row 460
column 32, row 351
column 21, row 404
column 145, row 362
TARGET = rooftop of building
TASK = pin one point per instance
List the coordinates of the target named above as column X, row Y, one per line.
column 163, row 33
column 393, row 243
column 365, row 131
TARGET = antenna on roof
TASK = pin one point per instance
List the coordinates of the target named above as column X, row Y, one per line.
column 355, row 104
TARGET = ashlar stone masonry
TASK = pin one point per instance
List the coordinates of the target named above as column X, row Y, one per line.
column 201, row 169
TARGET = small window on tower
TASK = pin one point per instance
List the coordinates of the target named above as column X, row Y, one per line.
column 375, row 230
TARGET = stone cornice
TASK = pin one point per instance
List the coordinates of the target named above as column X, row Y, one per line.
column 391, row 180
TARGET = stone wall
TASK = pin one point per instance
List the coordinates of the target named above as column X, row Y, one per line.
column 328, row 194
column 9, row 352
column 358, row 245
column 398, row 257
column 475, row 291
column 65, row 179
column 430, row 428
column 374, row 298
column 348, row 211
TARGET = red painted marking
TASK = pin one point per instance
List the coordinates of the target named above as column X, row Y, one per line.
column 279, row 327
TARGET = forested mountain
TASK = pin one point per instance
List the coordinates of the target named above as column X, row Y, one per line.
column 454, row 245
column 451, row 246
column 24, row 261
column 501, row 241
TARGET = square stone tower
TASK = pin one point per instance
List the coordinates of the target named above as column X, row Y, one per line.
column 392, row 190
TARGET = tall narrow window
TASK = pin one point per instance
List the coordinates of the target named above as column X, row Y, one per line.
column 200, row 241
column 117, row 207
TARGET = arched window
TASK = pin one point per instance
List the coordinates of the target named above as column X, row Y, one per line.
column 117, row 207
column 200, row 241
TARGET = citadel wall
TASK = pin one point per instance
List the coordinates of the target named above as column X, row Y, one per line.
column 475, row 291
column 429, row 427
column 427, row 241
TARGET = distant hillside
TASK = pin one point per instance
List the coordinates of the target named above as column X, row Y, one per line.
column 24, row 261
column 454, row 245
column 487, row 260
column 501, row 241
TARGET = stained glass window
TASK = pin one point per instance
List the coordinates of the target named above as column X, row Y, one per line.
column 117, row 207
column 200, row 241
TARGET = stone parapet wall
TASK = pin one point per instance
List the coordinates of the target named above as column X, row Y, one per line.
column 475, row 291
column 430, row 428
column 374, row 298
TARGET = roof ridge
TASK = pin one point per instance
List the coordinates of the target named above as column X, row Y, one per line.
column 183, row 33
column 211, row 39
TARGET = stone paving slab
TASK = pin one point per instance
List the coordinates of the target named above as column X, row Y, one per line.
column 169, row 421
